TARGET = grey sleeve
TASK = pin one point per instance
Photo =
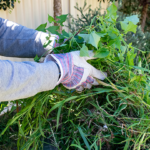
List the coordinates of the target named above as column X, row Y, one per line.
column 24, row 79
column 19, row 41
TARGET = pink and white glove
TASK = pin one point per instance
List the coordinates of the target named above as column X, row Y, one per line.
column 76, row 73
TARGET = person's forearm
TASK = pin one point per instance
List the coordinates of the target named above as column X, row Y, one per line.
column 19, row 41
column 20, row 80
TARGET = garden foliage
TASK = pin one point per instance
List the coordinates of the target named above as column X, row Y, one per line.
column 113, row 115
column 4, row 4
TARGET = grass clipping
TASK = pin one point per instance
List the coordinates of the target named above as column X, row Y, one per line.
column 113, row 115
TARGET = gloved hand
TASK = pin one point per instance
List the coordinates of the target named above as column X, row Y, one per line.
column 75, row 72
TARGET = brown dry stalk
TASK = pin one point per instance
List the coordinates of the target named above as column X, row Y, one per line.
column 144, row 14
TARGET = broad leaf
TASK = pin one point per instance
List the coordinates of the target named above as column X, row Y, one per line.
column 42, row 27
column 102, row 53
column 134, row 19
column 84, row 51
column 123, row 49
column 51, row 19
column 112, row 9
column 53, row 30
column 115, row 42
column 101, row 34
column 92, row 38
column 112, row 35
column 111, row 13
column 128, row 27
column 65, row 34
column 62, row 19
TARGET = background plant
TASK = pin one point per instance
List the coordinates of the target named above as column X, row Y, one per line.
column 4, row 4
column 113, row 115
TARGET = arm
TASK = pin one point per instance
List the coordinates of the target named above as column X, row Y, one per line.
column 19, row 41
column 24, row 79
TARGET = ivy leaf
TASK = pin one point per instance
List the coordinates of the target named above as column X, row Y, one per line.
column 134, row 19
column 36, row 58
column 62, row 19
column 84, row 51
column 128, row 27
column 41, row 27
column 91, row 38
column 51, row 19
column 53, row 30
column 102, row 53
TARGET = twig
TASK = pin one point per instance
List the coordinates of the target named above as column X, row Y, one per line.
column 74, row 35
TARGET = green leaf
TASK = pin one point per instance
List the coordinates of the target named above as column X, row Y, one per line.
column 134, row 19
column 102, row 90
column 111, row 42
column 62, row 45
column 112, row 35
column 128, row 27
column 65, row 34
column 47, row 43
column 41, row 27
column 53, row 30
column 40, row 127
column 111, row 13
column 123, row 49
column 36, row 58
column 77, row 146
column 130, row 57
column 101, row 34
column 138, row 79
column 126, row 147
column 117, row 43
column 84, row 51
column 51, row 19
column 120, row 108
column 58, row 115
column 93, row 38
column 140, row 65
column 102, row 53
column 112, row 8
column 84, row 139
column 59, row 104
column 62, row 19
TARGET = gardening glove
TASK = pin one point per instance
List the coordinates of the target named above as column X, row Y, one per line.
column 75, row 72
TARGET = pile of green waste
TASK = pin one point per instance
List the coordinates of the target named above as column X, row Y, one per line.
column 113, row 115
